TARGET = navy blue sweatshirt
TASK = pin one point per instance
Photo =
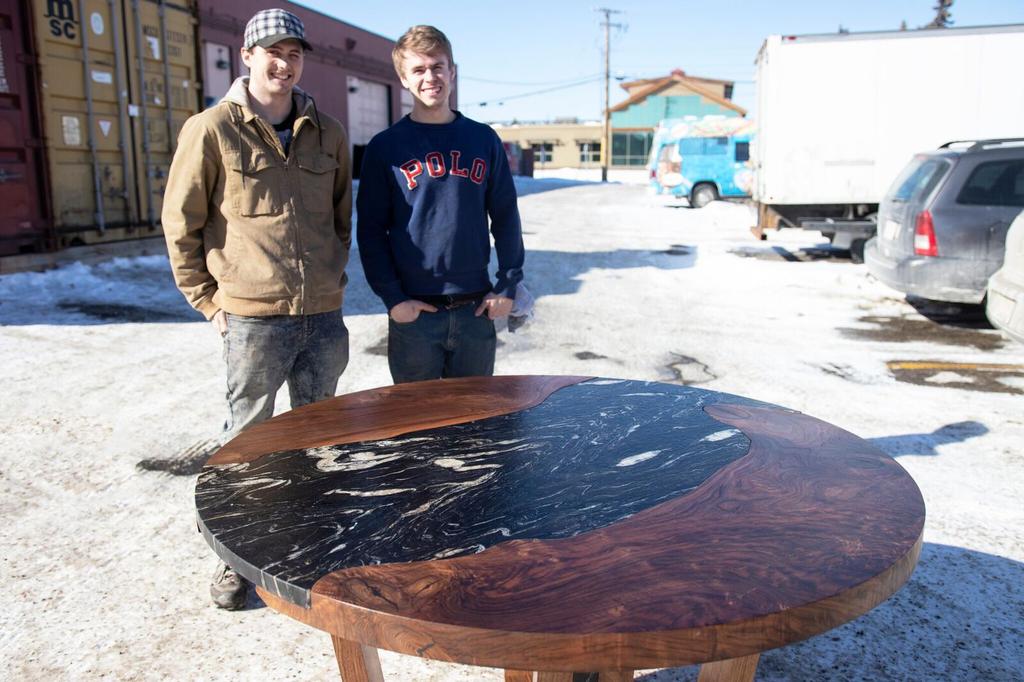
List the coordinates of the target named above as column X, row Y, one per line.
column 425, row 194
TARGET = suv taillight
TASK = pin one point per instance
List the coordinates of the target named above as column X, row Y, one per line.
column 924, row 235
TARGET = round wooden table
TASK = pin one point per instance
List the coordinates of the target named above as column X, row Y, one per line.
column 546, row 525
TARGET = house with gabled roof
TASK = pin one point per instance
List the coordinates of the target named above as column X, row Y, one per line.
column 633, row 122
column 650, row 100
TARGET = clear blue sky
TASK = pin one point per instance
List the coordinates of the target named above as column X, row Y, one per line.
column 531, row 45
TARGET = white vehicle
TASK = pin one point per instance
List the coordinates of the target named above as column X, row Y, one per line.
column 840, row 115
column 1005, row 296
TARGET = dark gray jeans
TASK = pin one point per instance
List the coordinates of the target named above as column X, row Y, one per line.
column 308, row 351
column 449, row 343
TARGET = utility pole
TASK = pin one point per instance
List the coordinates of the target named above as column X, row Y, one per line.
column 606, row 140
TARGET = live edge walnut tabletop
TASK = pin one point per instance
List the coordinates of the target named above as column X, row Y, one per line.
column 548, row 524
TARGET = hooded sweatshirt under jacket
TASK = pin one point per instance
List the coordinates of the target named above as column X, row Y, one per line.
column 249, row 229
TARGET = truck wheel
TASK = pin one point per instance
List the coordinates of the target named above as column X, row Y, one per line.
column 857, row 251
column 703, row 195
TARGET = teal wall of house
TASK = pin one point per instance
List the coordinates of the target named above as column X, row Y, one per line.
column 647, row 113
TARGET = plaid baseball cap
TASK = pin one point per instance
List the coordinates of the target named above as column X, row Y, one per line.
column 270, row 26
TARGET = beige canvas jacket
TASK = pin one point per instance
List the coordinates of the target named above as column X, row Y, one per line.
column 249, row 230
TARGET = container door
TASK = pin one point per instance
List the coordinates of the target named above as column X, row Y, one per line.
column 108, row 127
column 24, row 218
column 164, row 91
column 81, row 69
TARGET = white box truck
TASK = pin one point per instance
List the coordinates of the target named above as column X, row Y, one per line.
column 840, row 115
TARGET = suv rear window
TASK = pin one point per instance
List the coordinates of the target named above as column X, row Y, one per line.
column 918, row 179
column 995, row 183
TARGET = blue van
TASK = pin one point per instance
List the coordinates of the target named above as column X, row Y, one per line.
column 702, row 159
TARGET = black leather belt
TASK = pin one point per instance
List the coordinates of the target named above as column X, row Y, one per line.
column 449, row 301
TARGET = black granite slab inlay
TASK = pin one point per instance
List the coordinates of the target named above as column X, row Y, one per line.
column 590, row 455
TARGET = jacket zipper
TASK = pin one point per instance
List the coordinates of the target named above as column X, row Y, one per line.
column 275, row 141
column 295, row 211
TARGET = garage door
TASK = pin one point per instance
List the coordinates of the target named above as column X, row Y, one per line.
column 369, row 112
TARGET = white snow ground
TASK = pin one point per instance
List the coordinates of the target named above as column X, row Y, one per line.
column 105, row 367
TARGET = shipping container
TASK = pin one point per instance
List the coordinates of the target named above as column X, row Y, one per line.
column 93, row 94
column 117, row 80
column 24, row 218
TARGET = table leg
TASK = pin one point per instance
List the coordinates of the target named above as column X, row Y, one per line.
column 731, row 670
column 357, row 662
column 518, row 676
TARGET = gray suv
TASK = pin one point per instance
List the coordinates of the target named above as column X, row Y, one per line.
column 942, row 225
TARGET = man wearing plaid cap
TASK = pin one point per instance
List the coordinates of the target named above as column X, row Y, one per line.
column 257, row 218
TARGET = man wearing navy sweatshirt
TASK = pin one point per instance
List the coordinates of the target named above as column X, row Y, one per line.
column 428, row 185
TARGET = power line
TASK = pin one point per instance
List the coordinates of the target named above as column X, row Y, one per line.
column 502, row 100
column 558, row 82
column 626, row 76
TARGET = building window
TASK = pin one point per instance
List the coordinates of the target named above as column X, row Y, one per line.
column 590, row 152
column 631, row 149
column 542, row 152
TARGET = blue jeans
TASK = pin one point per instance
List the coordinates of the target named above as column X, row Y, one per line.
column 308, row 351
column 449, row 343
